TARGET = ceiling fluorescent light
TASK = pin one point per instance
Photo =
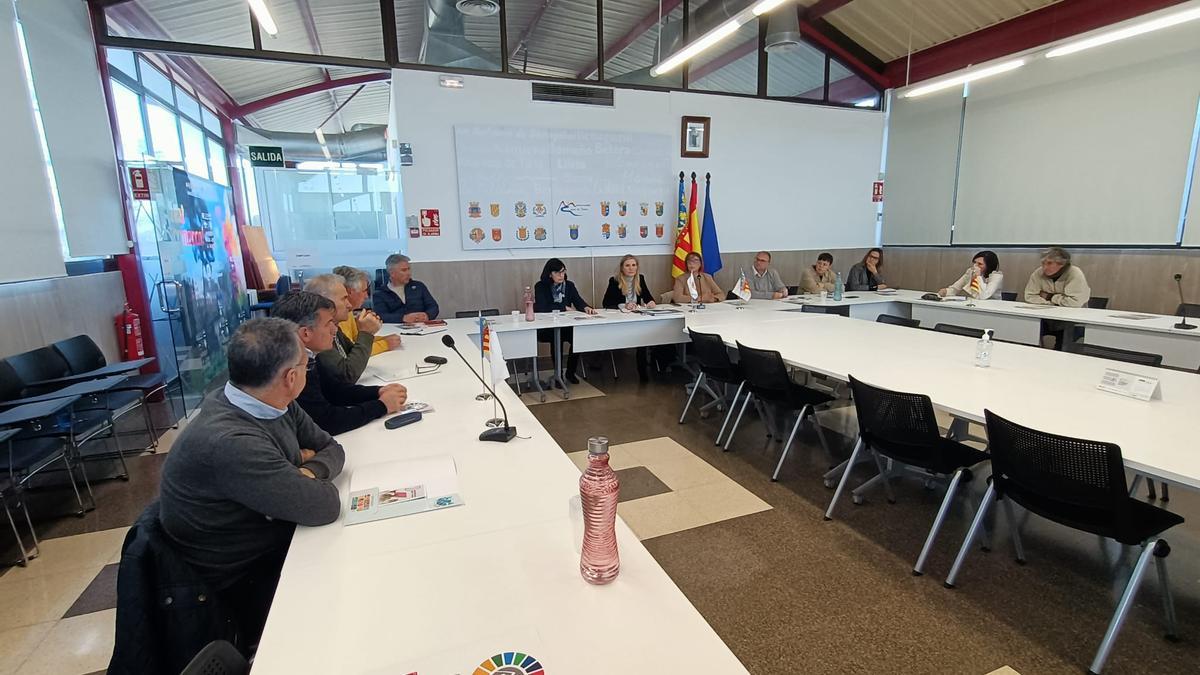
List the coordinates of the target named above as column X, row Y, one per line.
column 766, row 6
column 707, row 40
column 969, row 76
column 320, row 137
column 265, row 22
column 1127, row 32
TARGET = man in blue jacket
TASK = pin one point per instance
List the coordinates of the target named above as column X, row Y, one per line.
column 404, row 300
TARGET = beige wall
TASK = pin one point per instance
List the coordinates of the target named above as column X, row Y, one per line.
column 483, row 284
column 38, row 313
column 1139, row 280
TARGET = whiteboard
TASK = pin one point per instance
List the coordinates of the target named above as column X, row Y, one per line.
column 524, row 187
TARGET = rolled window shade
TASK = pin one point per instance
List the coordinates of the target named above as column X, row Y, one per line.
column 66, row 78
column 922, row 155
column 1089, row 148
column 28, row 225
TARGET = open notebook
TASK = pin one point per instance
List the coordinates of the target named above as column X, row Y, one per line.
column 402, row 488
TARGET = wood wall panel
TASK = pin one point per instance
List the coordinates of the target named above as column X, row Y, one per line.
column 38, row 313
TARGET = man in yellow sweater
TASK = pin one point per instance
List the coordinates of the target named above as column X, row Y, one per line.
column 357, row 289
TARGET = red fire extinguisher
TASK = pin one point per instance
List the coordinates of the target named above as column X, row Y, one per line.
column 129, row 335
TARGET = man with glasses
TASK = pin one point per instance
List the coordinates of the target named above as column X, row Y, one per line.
column 246, row 470
column 765, row 283
column 335, row 405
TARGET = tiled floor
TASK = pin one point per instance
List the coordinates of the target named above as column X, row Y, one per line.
column 57, row 615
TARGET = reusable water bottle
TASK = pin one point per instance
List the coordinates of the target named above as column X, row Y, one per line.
column 599, row 490
column 528, row 304
column 983, row 350
column 838, row 287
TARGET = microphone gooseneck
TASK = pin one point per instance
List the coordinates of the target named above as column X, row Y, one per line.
column 499, row 434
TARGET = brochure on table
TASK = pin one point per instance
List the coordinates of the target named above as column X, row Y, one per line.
column 402, row 488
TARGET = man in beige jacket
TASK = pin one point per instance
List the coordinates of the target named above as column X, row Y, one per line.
column 1057, row 282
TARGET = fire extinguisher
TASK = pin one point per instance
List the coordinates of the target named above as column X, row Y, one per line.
column 129, row 335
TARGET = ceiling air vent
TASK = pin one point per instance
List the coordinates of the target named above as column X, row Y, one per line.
column 569, row 93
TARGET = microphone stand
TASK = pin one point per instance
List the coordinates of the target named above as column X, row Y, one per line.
column 502, row 434
column 1182, row 325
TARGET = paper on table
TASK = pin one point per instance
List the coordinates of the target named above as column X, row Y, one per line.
column 375, row 488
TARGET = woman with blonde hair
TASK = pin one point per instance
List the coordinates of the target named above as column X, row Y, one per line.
column 627, row 291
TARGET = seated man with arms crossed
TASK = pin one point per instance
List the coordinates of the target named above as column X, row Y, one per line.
column 246, row 470
column 358, row 289
column 335, row 405
column 405, row 300
column 348, row 358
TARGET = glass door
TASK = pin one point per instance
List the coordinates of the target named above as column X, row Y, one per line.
column 191, row 259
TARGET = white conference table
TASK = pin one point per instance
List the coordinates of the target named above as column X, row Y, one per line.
column 1044, row 389
column 440, row 592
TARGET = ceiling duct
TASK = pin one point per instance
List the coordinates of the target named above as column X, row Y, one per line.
column 445, row 42
column 670, row 36
column 783, row 30
column 368, row 144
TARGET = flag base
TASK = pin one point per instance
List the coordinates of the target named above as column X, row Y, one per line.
column 495, row 422
column 483, row 397
column 499, row 434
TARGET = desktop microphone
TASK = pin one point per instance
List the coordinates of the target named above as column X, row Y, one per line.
column 1183, row 325
column 502, row 434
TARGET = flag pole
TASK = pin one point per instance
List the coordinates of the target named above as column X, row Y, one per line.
column 482, row 365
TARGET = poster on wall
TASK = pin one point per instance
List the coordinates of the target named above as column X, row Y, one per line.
column 504, row 187
column 529, row 187
column 431, row 223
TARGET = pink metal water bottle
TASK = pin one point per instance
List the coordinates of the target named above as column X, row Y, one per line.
column 528, row 304
column 599, row 490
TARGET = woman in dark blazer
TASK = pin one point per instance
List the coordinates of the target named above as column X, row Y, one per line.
column 627, row 291
column 555, row 292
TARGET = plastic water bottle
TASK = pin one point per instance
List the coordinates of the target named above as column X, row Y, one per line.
column 528, row 304
column 838, row 288
column 983, row 350
column 599, row 490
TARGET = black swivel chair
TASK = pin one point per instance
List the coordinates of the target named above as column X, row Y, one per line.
column 713, row 356
column 903, row 428
column 1097, row 302
column 83, row 355
column 1008, row 296
column 218, row 658
column 793, row 290
column 1079, row 484
column 898, row 321
column 965, row 331
column 844, row 310
column 1188, row 310
column 1127, row 356
column 768, row 382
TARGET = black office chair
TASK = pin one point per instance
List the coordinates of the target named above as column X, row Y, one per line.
column 1096, row 302
column 898, row 321
column 793, row 290
column 1126, row 355
column 475, row 313
column 218, row 658
column 1008, row 296
column 903, row 428
column 283, row 286
column 1080, row 484
column 768, row 382
column 82, row 355
column 844, row 310
column 1189, row 310
column 715, row 364
column 381, row 279
column 965, row 331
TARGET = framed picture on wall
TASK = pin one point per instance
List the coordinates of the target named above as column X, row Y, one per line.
column 693, row 137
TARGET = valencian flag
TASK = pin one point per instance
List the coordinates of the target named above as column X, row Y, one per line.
column 975, row 286
column 683, row 235
column 742, row 289
column 708, row 236
column 694, row 218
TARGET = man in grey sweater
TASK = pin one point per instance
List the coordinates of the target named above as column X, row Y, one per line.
column 765, row 282
column 247, row 469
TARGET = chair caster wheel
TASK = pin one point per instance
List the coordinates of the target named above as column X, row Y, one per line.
column 857, row 500
column 985, row 549
column 827, row 518
column 947, row 584
column 774, row 480
column 918, row 574
column 830, row 484
column 1171, row 638
column 1020, row 562
column 891, row 501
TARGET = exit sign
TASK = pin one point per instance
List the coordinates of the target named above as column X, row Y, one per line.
column 266, row 155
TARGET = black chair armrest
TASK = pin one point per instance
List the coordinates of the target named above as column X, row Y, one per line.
column 33, row 411
column 109, row 370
